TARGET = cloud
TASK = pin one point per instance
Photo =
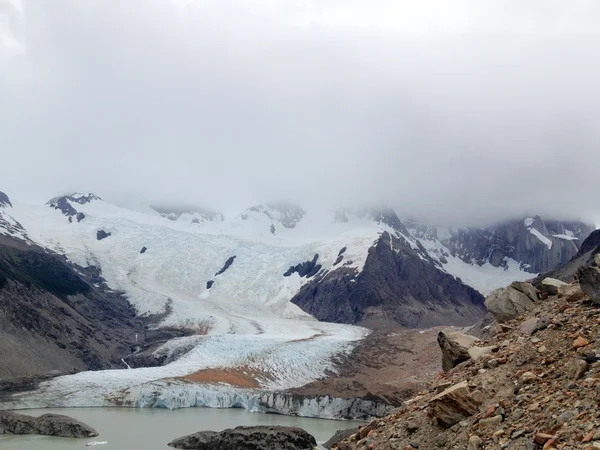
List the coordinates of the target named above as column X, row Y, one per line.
column 466, row 111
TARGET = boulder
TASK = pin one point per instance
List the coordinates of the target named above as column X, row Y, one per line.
column 453, row 405
column 589, row 280
column 477, row 353
column 533, row 325
column 455, row 348
column 507, row 303
column 551, row 285
column 101, row 234
column 248, row 438
column 339, row 436
column 526, row 288
column 46, row 425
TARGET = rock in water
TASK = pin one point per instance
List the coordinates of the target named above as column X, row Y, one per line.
column 589, row 280
column 507, row 303
column 248, row 438
column 46, row 425
column 454, row 348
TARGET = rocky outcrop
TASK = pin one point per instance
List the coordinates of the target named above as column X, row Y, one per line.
column 586, row 256
column 248, row 438
column 65, row 204
column 589, row 280
column 46, row 425
column 306, row 269
column 539, row 245
column 398, row 285
column 143, row 250
column 505, row 304
column 101, row 234
column 455, row 348
column 454, row 404
column 4, row 200
column 226, row 266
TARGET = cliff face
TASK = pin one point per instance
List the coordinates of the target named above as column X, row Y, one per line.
column 537, row 244
column 398, row 285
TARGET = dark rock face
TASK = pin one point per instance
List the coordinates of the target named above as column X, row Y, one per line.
column 227, row 265
column 584, row 257
column 589, row 280
column 4, row 200
column 209, row 284
column 143, row 250
column 46, row 425
column 249, row 438
column 101, row 234
column 306, row 269
column 397, row 285
column 519, row 240
column 64, row 204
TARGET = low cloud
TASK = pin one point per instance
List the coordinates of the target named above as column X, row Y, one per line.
column 455, row 113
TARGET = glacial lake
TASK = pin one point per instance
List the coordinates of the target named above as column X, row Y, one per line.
column 153, row 429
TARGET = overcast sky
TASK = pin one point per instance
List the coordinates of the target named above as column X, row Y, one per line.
column 463, row 110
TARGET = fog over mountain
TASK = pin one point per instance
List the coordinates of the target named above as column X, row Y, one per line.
column 456, row 112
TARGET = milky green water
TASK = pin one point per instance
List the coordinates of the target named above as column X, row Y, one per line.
column 153, row 429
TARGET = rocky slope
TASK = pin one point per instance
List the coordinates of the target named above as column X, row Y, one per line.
column 534, row 385
column 57, row 318
column 398, row 285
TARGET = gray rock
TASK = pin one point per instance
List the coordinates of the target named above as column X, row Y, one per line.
column 46, row 425
column 507, row 303
column 475, row 443
column 526, row 288
column 453, row 405
column 454, row 348
column 339, row 436
column 248, row 438
column 579, row 368
column 533, row 325
column 589, row 280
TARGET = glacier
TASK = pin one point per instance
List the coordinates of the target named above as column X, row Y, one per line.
column 244, row 321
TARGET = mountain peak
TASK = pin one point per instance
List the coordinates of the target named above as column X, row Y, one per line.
column 64, row 204
column 288, row 214
column 4, row 200
column 195, row 213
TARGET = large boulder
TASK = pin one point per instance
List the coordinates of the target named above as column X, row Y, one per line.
column 455, row 348
column 248, row 438
column 551, row 285
column 505, row 304
column 46, row 425
column 453, row 405
column 589, row 280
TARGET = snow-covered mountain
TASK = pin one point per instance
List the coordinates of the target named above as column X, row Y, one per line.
column 248, row 288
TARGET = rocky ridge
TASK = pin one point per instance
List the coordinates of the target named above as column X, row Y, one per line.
column 535, row 384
